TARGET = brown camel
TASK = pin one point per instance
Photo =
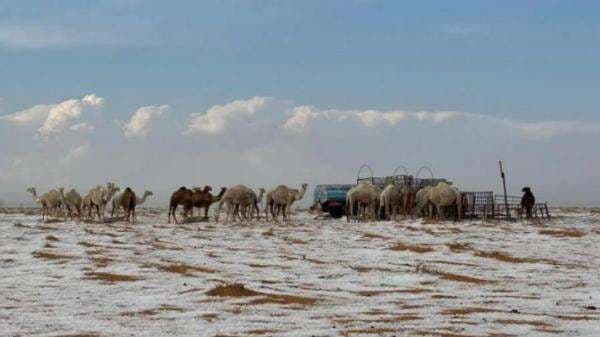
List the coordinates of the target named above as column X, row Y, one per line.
column 128, row 203
column 184, row 197
column 198, row 195
column 204, row 199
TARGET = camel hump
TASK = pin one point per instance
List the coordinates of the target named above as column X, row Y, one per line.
column 182, row 188
column 128, row 189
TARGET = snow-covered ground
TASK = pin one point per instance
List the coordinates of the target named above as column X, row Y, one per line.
column 305, row 278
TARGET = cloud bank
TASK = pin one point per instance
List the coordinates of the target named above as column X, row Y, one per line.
column 139, row 124
column 264, row 141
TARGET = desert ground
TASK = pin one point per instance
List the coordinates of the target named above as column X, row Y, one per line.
column 303, row 278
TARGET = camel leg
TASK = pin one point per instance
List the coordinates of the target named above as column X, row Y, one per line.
column 174, row 211
column 388, row 210
column 97, row 211
column 256, row 209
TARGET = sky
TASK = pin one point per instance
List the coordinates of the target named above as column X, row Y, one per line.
column 159, row 94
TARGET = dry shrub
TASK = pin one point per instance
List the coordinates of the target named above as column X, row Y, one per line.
column 400, row 246
column 562, row 233
column 110, row 278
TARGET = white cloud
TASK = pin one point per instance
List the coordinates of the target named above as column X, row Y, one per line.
column 37, row 113
column 59, row 116
column 93, row 100
column 304, row 115
column 139, row 123
column 54, row 118
column 82, row 127
column 374, row 117
column 218, row 118
column 300, row 118
column 438, row 116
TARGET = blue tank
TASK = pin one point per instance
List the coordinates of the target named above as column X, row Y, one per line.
column 332, row 198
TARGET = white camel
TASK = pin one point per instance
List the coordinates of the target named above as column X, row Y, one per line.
column 442, row 196
column 99, row 197
column 423, row 204
column 281, row 199
column 390, row 201
column 118, row 200
column 250, row 208
column 238, row 196
column 50, row 201
column 365, row 196
column 72, row 201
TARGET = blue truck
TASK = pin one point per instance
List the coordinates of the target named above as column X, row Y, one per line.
column 332, row 198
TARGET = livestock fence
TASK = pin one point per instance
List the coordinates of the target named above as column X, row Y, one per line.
column 509, row 209
column 483, row 205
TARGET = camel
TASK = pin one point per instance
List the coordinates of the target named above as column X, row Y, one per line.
column 442, row 196
column 235, row 198
column 281, row 199
column 50, row 201
column 86, row 203
column 72, row 201
column 390, row 201
column 408, row 198
column 128, row 201
column 116, row 201
column 366, row 197
column 203, row 198
column 423, row 203
column 184, row 197
column 99, row 197
column 250, row 207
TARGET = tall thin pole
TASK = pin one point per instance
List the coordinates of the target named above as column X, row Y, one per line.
column 505, row 195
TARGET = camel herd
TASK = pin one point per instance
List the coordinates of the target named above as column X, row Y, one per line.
column 368, row 202
column 241, row 202
column 365, row 201
column 56, row 202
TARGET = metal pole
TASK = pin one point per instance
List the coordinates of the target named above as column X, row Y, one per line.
column 505, row 195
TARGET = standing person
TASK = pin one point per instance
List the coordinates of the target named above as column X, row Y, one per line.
column 527, row 201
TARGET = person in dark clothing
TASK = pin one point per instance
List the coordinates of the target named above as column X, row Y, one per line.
column 527, row 202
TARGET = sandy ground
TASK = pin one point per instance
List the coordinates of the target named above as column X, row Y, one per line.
column 305, row 278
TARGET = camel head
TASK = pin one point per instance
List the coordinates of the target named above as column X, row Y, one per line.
column 148, row 193
column 221, row 193
column 32, row 190
column 300, row 194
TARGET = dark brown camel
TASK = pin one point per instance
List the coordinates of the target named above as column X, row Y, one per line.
column 184, row 197
column 128, row 203
column 203, row 199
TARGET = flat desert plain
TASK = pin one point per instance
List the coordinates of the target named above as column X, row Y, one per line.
column 303, row 278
